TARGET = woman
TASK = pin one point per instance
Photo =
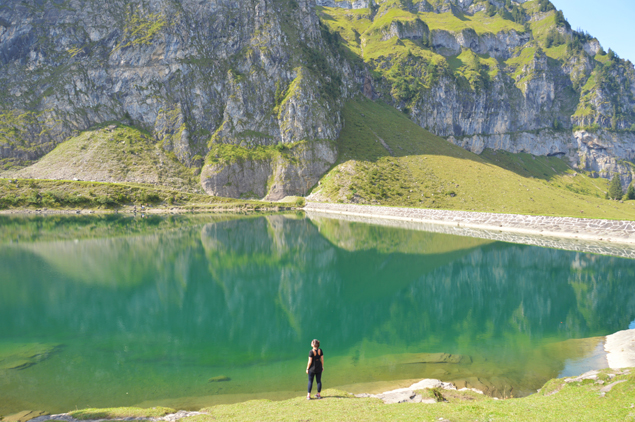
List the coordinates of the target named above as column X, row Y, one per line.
column 314, row 368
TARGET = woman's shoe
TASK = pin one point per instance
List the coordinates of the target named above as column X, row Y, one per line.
column 317, row 396
column 308, row 397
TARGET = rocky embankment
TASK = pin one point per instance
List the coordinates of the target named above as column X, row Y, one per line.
column 609, row 237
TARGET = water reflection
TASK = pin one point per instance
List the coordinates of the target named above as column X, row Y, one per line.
column 159, row 306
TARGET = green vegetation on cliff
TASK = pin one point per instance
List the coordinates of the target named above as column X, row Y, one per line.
column 462, row 69
column 369, row 35
column 415, row 49
column 386, row 159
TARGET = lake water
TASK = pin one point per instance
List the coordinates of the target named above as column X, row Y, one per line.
column 117, row 311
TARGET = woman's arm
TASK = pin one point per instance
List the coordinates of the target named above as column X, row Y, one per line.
column 308, row 365
column 322, row 359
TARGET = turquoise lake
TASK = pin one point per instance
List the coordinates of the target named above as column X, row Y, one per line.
column 107, row 311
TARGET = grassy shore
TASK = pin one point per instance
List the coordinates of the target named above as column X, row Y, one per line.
column 64, row 195
column 556, row 401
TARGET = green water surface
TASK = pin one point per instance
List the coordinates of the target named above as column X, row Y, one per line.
column 118, row 311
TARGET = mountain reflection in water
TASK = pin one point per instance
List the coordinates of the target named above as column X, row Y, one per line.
column 158, row 308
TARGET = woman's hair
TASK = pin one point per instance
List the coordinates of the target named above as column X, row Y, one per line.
column 315, row 343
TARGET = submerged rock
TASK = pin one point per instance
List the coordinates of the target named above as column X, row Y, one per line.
column 24, row 355
column 24, row 416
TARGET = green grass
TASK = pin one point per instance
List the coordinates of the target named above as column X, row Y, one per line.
column 476, row 69
column 112, row 153
column 541, row 28
column 427, row 171
column 588, row 92
column 480, row 23
column 228, row 153
column 411, row 66
column 574, row 402
column 349, row 23
column 71, row 195
column 556, row 401
column 519, row 61
column 558, row 53
column 141, row 29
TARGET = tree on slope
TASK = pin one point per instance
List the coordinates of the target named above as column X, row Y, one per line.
column 630, row 192
column 615, row 188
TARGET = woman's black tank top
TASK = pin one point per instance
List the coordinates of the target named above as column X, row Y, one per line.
column 316, row 362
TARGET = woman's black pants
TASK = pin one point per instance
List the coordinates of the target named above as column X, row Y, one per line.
column 318, row 377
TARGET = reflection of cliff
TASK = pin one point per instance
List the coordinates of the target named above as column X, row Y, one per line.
column 39, row 228
column 525, row 291
column 259, row 289
column 355, row 237
column 273, row 271
column 459, row 298
column 116, row 262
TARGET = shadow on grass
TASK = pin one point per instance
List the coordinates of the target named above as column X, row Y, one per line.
column 375, row 130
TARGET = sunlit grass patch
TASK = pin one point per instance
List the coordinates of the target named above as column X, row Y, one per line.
column 386, row 159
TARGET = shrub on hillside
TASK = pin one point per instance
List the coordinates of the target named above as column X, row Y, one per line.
column 545, row 6
column 150, row 198
column 490, row 10
column 630, row 192
column 615, row 188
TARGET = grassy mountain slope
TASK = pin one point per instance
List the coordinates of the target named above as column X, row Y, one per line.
column 400, row 41
column 386, row 159
column 112, row 153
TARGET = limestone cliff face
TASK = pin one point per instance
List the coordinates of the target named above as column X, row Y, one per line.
column 603, row 153
column 346, row 4
column 272, row 177
column 498, row 74
column 248, row 72
column 259, row 74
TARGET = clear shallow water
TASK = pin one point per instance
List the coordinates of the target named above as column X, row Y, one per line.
column 116, row 311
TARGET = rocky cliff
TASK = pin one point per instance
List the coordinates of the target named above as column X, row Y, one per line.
column 508, row 75
column 249, row 93
column 194, row 74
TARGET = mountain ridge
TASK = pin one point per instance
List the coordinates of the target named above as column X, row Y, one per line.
column 273, row 75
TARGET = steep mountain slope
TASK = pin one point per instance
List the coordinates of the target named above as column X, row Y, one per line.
column 386, row 159
column 506, row 75
column 249, row 93
column 195, row 74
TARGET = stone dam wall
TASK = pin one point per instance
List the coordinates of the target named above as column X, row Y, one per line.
column 606, row 237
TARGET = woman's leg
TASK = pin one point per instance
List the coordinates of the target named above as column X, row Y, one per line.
column 318, row 377
column 311, row 375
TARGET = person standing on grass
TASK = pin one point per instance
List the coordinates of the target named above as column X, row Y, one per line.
column 315, row 367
